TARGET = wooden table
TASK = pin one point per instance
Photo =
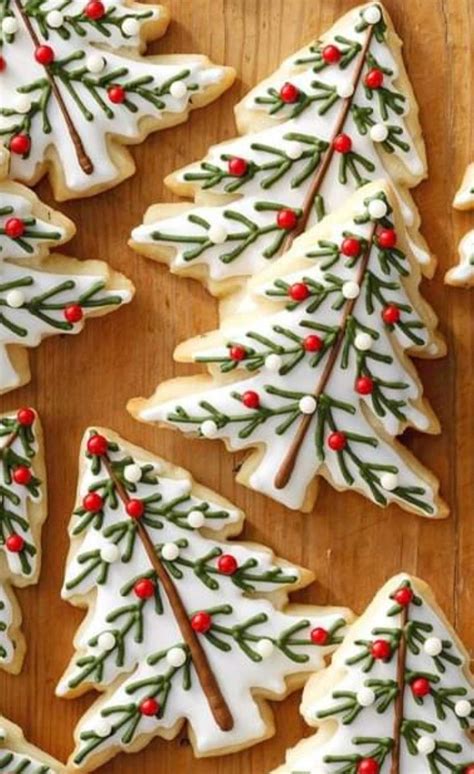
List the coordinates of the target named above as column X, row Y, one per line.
column 351, row 545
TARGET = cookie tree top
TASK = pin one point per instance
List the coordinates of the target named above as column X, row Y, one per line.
column 74, row 88
column 398, row 697
column 42, row 294
column 176, row 611
column 339, row 113
column 463, row 273
column 16, row 755
column 22, row 513
column 317, row 376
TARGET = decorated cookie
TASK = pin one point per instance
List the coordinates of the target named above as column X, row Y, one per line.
column 337, row 114
column 75, row 89
column 16, row 755
column 316, row 377
column 183, row 624
column 22, row 513
column 398, row 697
column 463, row 273
column 41, row 294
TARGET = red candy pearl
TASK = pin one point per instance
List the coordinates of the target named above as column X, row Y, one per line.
column 381, row 650
column 238, row 167
column 15, row 543
column 337, row 441
column 289, row 93
column 149, row 708
column 251, row 399
column 135, row 509
column 368, row 766
column 44, row 55
column 374, row 78
column 227, row 564
column 351, row 247
column 22, row 475
column 387, row 237
column 3, row 64
column 287, row 219
column 93, row 502
column 116, row 94
column 14, row 228
column 94, row 10
column 26, row 417
column 20, row 144
column 312, row 343
column 299, row 291
column 144, row 588
column 420, row 687
column 73, row 313
column 391, row 314
column 469, row 769
column 364, row 385
column 201, row 622
column 403, row 596
column 331, row 54
column 319, row 636
column 342, row 143
column 237, row 353
column 98, row 445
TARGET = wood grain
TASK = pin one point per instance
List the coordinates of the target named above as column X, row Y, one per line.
column 351, row 545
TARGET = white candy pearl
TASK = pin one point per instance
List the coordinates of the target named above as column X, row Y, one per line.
column 22, row 103
column 463, row 708
column 130, row 26
column 176, row 657
column 363, row 342
column 365, row 697
column 170, row 552
column 425, row 745
column 209, row 429
column 433, row 646
column 102, row 728
column 178, row 89
column 350, row 289
column 378, row 132
column 15, row 299
column 372, row 15
column 196, row 519
column 54, row 19
column 377, row 209
column 294, row 150
column 273, row 362
column 345, row 90
column 389, row 481
column 265, row 648
column 9, row 25
column 217, row 234
column 106, row 641
column 110, row 553
column 308, row 404
column 95, row 63
column 132, row 473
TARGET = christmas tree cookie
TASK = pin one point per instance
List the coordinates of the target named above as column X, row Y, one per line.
column 75, row 89
column 463, row 273
column 22, row 513
column 316, row 378
column 41, row 294
column 337, row 114
column 16, row 755
column 398, row 697
column 177, row 611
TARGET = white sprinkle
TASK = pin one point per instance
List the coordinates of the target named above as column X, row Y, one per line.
column 425, row 745
column 363, row 342
column 176, row 657
column 196, row 519
column 130, row 27
column 377, row 209
column 178, row 89
column 170, row 552
column 106, row 641
column 308, row 404
column 132, row 473
column 209, row 429
column 433, row 646
column 54, row 19
column 15, row 299
column 265, row 648
column 365, row 697
column 217, row 233
column 110, row 553
column 350, row 289
column 9, row 25
column 273, row 362
column 345, row 90
column 463, row 708
column 95, row 63
column 389, row 481
column 372, row 15
column 102, row 728
column 378, row 132
column 294, row 150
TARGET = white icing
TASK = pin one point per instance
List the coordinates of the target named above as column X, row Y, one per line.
column 463, row 273
column 7, row 651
